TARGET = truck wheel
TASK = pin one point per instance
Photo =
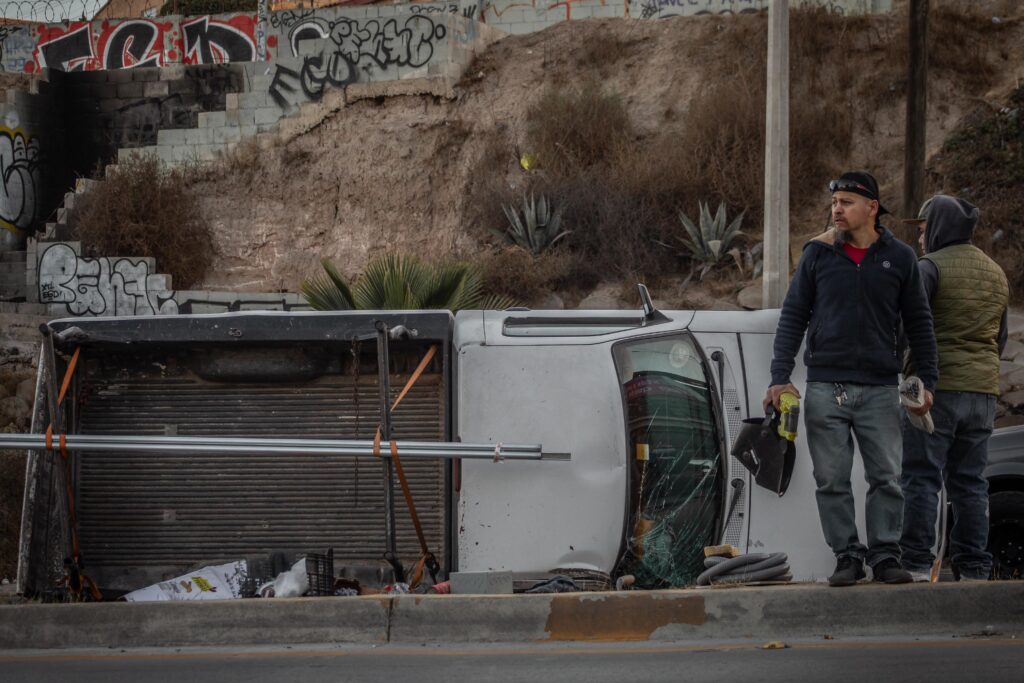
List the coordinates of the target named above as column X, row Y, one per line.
column 1006, row 534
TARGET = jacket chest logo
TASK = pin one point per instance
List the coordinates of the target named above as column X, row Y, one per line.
column 886, row 264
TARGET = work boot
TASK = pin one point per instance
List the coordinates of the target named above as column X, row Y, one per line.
column 890, row 571
column 849, row 570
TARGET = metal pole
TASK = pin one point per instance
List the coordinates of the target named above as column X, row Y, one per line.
column 383, row 366
column 917, row 116
column 413, row 450
column 776, row 159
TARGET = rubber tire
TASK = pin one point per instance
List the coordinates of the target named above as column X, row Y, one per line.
column 1006, row 533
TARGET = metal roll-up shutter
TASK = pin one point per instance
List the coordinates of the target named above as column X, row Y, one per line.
column 137, row 510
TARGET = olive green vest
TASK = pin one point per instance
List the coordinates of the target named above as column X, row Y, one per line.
column 967, row 308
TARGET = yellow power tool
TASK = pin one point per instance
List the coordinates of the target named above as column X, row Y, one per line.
column 789, row 415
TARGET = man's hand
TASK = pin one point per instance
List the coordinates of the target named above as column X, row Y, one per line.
column 925, row 407
column 777, row 390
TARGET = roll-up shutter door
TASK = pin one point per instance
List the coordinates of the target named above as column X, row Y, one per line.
column 144, row 509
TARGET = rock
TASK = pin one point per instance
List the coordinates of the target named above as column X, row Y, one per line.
column 750, row 296
column 1007, row 366
column 4, row 392
column 552, row 302
column 1015, row 323
column 1010, row 421
column 27, row 390
column 14, row 410
column 724, row 305
column 1001, row 409
column 1014, row 399
column 605, row 297
column 1015, row 378
column 1013, row 350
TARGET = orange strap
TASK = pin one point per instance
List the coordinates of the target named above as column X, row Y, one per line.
column 68, row 486
column 409, row 503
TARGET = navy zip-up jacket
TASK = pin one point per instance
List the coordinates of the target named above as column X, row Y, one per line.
column 852, row 314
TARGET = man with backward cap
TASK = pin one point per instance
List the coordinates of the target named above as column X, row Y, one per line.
column 853, row 286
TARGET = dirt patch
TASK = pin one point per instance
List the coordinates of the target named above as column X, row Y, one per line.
column 422, row 175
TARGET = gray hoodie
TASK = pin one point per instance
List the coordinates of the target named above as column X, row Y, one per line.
column 950, row 221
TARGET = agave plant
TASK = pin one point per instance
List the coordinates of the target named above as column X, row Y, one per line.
column 710, row 242
column 397, row 282
column 538, row 228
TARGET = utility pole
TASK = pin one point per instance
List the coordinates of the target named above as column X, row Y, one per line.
column 917, row 113
column 776, row 159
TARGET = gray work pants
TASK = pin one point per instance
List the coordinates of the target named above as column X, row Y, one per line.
column 872, row 414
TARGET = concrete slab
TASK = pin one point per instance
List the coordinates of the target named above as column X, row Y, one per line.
column 769, row 612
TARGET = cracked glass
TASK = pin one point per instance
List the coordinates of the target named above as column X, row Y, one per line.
column 676, row 478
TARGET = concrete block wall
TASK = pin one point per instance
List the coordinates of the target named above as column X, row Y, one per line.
column 396, row 52
column 110, row 110
column 69, row 284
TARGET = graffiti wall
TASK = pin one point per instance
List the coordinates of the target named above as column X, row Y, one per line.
column 360, row 31
column 333, row 48
column 73, row 285
column 31, row 144
column 21, row 180
column 129, row 43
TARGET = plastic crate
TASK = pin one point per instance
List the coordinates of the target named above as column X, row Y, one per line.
column 320, row 571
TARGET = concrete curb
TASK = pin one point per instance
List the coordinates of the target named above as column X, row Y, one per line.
column 798, row 611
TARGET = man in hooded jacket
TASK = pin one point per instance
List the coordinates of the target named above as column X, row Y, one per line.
column 852, row 287
column 968, row 294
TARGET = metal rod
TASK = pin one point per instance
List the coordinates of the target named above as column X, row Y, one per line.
column 390, row 534
column 405, row 446
column 170, row 444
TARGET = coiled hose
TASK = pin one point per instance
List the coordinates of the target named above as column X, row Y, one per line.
column 745, row 569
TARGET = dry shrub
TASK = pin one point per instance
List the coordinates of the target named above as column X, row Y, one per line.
column 983, row 162
column 574, row 128
column 514, row 272
column 147, row 209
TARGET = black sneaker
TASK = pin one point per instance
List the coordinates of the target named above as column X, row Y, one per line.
column 890, row 571
column 849, row 570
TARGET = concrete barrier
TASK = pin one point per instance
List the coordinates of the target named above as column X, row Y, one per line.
column 797, row 611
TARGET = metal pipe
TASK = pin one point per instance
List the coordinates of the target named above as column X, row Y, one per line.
column 170, row 444
column 406, row 446
column 384, row 387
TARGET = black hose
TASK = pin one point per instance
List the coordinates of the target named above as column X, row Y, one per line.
column 745, row 569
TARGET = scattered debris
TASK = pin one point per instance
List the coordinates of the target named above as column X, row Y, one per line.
column 774, row 645
column 219, row 582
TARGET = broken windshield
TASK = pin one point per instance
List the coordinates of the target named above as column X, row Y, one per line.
column 675, row 467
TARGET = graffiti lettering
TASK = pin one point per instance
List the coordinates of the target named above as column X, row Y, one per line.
column 208, row 41
column 121, row 45
column 453, row 8
column 20, row 179
column 288, row 18
column 131, row 44
column 101, row 286
column 348, row 47
column 68, row 51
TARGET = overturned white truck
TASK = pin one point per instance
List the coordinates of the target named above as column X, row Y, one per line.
column 635, row 411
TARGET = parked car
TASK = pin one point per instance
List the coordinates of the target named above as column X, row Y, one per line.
column 1005, row 474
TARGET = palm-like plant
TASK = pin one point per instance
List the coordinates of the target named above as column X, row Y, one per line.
column 397, row 282
column 712, row 240
column 538, row 229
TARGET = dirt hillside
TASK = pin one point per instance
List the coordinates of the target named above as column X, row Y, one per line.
column 408, row 173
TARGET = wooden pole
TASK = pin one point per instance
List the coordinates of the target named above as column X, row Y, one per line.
column 776, row 159
column 917, row 115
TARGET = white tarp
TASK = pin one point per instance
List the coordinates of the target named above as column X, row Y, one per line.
column 221, row 582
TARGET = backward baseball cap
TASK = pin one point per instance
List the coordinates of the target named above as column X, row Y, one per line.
column 922, row 213
column 862, row 183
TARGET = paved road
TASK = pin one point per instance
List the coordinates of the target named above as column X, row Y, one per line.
column 991, row 660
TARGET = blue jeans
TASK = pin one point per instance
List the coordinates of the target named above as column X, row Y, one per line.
column 872, row 414
column 957, row 453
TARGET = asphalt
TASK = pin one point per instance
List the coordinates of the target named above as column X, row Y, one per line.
column 770, row 612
